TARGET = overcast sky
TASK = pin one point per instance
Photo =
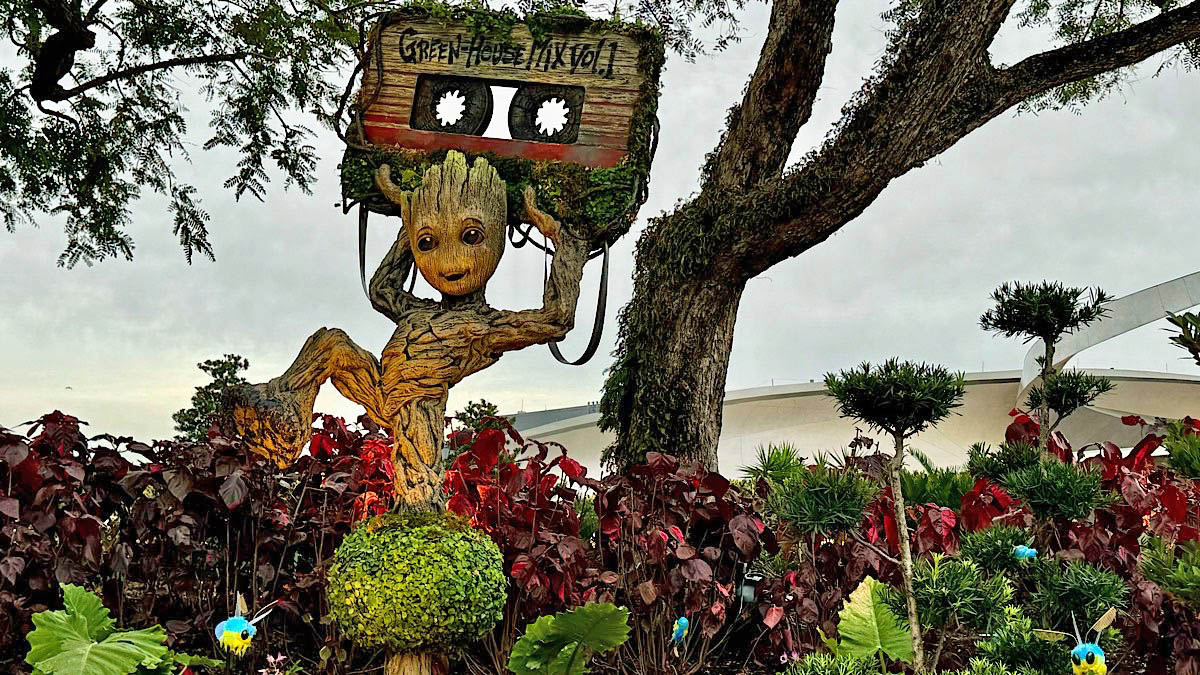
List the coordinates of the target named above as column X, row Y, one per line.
column 1107, row 197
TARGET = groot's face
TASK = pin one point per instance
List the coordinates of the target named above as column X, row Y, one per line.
column 457, row 255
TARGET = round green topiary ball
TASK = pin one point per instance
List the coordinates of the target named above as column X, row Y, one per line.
column 416, row 581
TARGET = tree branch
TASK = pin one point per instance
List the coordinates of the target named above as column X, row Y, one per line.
column 922, row 121
column 134, row 71
column 1042, row 72
column 780, row 96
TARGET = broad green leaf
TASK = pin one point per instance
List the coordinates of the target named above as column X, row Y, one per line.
column 50, row 629
column 62, row 642
column 562, row 644
column 868, row 626
column 88, row 606
column 599, row 626
column 85, row 657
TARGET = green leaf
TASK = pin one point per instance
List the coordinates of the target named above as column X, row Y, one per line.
column 867, row 626
column 88, row 606
column 65, row 643
column 562, row 644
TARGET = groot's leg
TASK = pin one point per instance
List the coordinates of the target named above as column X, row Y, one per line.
column 417, row 430
column 276, row 417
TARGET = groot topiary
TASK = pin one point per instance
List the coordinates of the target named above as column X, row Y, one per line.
column 417, row 582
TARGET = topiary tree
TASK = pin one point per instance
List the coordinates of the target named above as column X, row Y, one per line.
column 1064, row 393
column 416, row 584
column 1043, row 311
column 901, row 398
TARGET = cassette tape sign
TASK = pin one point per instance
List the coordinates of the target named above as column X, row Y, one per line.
column 428, row 86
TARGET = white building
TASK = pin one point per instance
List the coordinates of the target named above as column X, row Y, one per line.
column 805, row 416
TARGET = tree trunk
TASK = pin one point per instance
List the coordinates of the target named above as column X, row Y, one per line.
column 1044, row 409
column 906, row 564
column 416, row 663
column 665, row 392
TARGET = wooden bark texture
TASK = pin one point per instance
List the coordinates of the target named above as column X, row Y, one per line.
column 434, row 346
column 415, row 663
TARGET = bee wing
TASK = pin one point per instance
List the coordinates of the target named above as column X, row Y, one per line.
column 242, row 610
column 1050, row 635
column 1106, row 620
column 262, row 613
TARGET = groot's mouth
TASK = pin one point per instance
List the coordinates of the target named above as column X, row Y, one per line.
column 457, row 276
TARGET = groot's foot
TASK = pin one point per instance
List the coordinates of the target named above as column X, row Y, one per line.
column 274, row 423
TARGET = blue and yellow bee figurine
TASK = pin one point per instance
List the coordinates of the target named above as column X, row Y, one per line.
column 679, row 633
column 235, row 633
column 1087, row 658
column 1024, row 553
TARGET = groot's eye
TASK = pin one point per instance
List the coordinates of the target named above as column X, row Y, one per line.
column 426, row 243
column 472, row 236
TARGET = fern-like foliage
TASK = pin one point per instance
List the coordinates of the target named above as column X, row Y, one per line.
column 1175, row 569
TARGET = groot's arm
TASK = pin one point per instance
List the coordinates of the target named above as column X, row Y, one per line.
column 387, row 293
column 517, row 330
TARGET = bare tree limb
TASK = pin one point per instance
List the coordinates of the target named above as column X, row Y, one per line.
column 134, row 71
column 780, row 96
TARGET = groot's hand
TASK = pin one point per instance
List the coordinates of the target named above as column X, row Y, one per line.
column 544, row 222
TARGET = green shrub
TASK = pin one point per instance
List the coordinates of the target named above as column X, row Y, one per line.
column 986, row 667
column 992, row 549
column 1176, row 572
column 820, row 663
column 1183, row 449
column 1075, row 588
column 933, row 485
column 1056, row 490
column 824, row 499
column 774, row 463
column 952, row 591
column 995, row 465
column 415, row 581
column 1013, row 646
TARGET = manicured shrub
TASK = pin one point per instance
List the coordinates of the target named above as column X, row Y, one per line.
column 1074, row 589
column 996, row 464
column 416, row 581
column 1054, row 490
column 823, row 499
column 992, row 549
